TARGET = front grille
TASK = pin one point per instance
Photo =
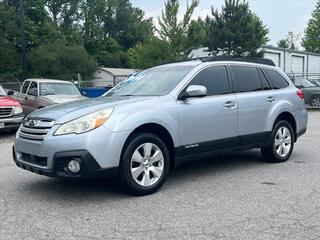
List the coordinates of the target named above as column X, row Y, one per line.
column 6, row 111
column 35, row 129
column 35, row 160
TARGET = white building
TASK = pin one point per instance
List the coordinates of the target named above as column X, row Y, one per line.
column 108, row 77
column 300, row 63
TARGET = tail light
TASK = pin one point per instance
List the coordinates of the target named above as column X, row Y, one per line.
column 300, row 94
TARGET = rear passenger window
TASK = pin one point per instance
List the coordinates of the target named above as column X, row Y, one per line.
column 215, row 79
column 25, row 87
column 276, row 79
column 264, row 81
column 247, row 79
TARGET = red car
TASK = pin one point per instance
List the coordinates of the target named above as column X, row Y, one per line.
column 11, row 114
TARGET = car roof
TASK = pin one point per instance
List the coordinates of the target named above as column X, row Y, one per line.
column 48, row 80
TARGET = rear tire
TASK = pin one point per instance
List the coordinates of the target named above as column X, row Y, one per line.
column 282, row 143
column 315, row 101
column 144, row 164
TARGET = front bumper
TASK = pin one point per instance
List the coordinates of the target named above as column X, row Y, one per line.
column 12, row 122
column 98, row 152
column 89, row 166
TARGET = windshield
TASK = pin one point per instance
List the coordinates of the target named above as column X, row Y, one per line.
column 58, row 89
column 304, row 83
column 151, row 82
column 2, row 92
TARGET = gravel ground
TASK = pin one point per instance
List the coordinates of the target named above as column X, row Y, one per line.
column 233, row 197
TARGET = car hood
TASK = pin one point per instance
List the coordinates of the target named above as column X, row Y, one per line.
column 62, row 98
column 8, row 101
column 65, row 112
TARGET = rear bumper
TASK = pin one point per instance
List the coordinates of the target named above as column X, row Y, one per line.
column 89, row 166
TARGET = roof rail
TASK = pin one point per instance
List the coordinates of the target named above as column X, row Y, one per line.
column 239, row 59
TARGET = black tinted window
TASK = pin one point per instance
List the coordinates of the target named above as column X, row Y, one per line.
column 276, row 80
column 214, row 79
column 247, row 79
column 25, row 86
column 33, row 89
column 264, row 81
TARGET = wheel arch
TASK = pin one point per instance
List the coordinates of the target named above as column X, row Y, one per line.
column 160, row 131
column 287, row 116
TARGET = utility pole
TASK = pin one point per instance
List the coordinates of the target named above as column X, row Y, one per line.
column 23, row 39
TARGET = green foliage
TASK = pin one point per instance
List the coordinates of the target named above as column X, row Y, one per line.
column 150, row 53
column 197, row 34
column 311, row 40
column 287, row 42
column 60, row 60
column 66, row 37
column 176, row 32
column 236, row 30
column 9, row 42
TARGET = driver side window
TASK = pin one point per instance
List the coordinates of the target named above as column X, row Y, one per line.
column 33, row 89
column 214, row 78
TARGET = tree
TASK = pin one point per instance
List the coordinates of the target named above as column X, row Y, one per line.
column 10, row 65
column 176, row 32
column 60, row 60
column 311, row 40
column 150, row 53
column 236, row 30
column 197, row 34
column 288, row 42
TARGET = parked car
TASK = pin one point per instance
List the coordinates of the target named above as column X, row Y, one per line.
column 310, row 90
column 39, row 93
column 11, row 114
column 315, row 82
column 164, row 116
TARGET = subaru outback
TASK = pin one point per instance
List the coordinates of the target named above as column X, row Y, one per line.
column 163, row 116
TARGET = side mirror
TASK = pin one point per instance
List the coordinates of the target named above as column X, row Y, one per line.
column 196, row 91
column 10, row 93
column 85, row 94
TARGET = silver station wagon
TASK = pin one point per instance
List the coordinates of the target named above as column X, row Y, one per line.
column 164, row 116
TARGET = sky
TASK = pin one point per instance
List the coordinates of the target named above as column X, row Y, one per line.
column 280, row 16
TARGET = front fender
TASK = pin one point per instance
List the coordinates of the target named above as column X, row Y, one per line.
column 124, row 121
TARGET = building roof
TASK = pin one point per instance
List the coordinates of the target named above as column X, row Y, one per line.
column 48, row 80
column 290, row 50
column 118, row 71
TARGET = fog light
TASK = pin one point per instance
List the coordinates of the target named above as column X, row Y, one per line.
column 74, row 166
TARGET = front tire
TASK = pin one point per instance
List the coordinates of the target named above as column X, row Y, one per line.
column 144, row 164
column 282, row 143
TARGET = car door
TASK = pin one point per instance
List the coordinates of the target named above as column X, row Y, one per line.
column 208, row 123
column 31, row 100
column 255, row 99
column 23, row 95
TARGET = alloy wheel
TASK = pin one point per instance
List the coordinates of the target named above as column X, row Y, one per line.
column 316, row 102
column 147, row 164
column 283, row 141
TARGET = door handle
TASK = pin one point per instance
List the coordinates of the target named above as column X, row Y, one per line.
column 271, row 99
column 230, row 104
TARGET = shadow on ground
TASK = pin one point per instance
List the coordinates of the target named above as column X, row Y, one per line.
column 95, row 188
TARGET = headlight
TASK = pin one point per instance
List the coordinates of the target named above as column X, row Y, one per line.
column 85, row 123
column 17, row 110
